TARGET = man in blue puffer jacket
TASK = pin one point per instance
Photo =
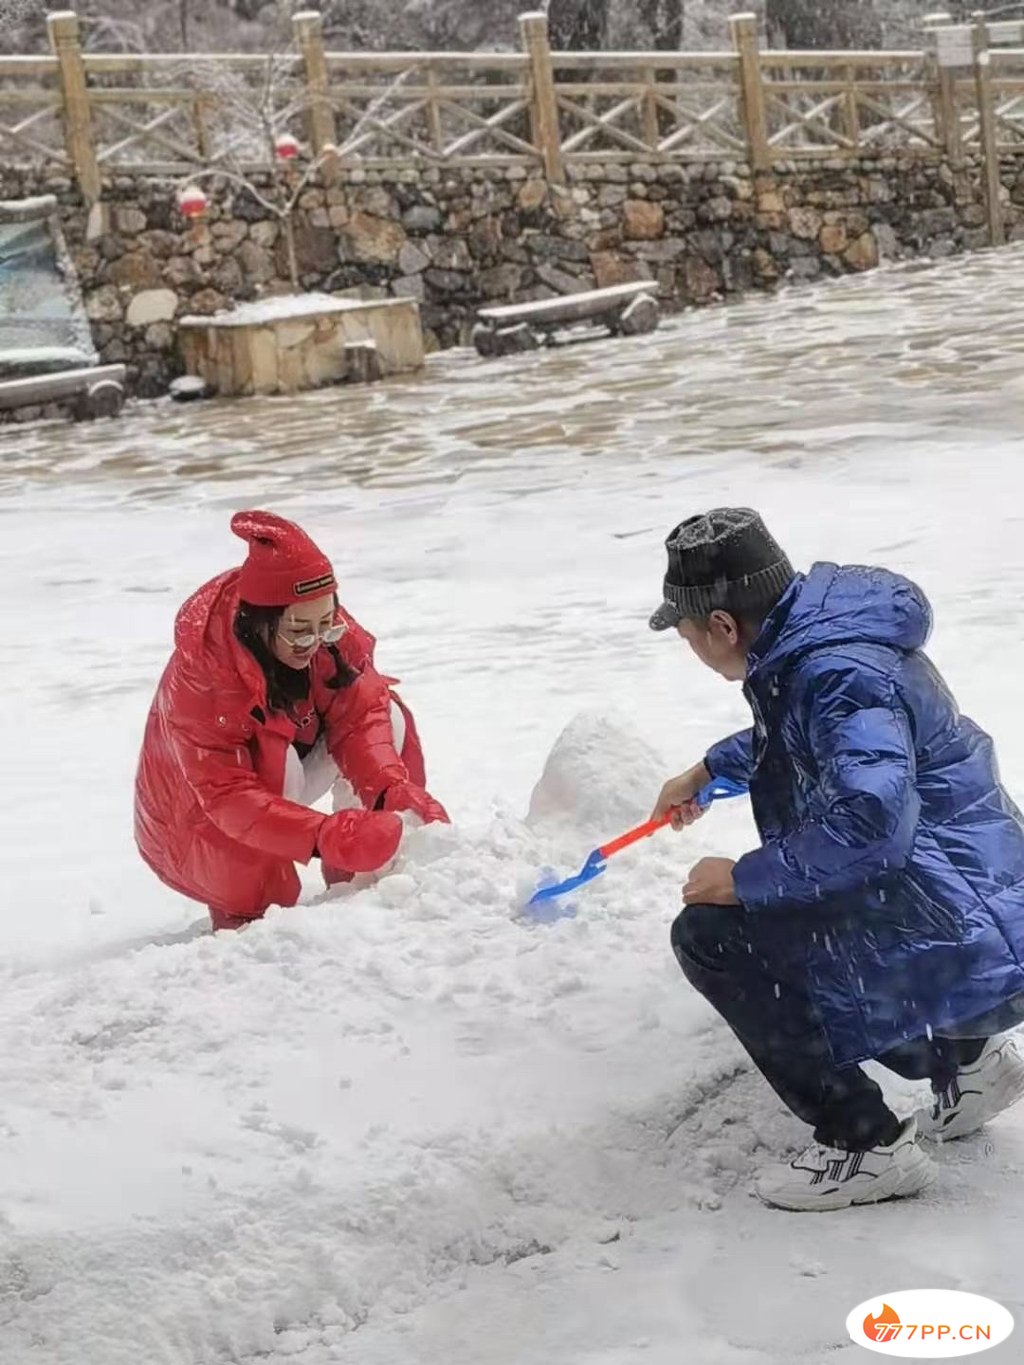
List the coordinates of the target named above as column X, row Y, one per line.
column 883, row 915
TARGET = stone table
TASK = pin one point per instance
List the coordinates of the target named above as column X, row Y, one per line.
column 301, row 341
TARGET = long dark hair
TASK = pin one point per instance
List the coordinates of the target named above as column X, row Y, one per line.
column 286, row 687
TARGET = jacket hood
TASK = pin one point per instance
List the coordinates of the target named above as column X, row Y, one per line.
column 843, row 605
column 204, row 634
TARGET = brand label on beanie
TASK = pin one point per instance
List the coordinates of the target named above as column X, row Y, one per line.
column 312, row 585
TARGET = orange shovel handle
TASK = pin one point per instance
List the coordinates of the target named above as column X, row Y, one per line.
column 635, row 835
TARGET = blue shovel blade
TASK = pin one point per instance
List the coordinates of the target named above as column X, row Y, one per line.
column 592, row 868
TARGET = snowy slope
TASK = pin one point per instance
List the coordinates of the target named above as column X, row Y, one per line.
column 400, row 1125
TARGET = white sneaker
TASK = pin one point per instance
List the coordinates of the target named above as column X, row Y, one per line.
column 976, row 1094
column 825, row 1178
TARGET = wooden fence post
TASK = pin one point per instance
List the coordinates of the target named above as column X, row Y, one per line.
column 755, row 117
column 851, row 109
column 547, row 136
column 954, row 59
column 652, row 132
column 434, row 113
column 989, row 134
column 78, row 139
column 309, row 34
column 945, row 106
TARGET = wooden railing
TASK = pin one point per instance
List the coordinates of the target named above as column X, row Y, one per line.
column 92, row 115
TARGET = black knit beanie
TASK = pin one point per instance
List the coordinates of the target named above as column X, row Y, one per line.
column 723, row 560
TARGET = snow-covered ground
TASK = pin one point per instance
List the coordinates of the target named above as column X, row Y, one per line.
column 401, row 1126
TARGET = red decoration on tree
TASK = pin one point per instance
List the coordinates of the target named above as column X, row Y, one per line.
column 286, row 147
column 192, row 202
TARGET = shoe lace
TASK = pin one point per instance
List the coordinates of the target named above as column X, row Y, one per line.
column 947, row 1098
column 816, row 1154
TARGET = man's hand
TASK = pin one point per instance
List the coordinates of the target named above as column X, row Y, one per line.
column 710, row 883
column 678, row 796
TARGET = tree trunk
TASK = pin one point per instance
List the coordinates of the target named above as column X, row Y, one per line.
column 289, row 242
column 666, row 20
column 578, row 25
column 814, row 23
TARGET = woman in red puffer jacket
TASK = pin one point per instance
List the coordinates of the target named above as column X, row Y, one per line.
column 269, row 699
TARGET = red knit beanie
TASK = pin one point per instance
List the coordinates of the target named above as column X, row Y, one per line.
column 283, row 565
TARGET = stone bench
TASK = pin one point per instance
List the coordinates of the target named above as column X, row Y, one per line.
column 87, row 392
column 624, row 309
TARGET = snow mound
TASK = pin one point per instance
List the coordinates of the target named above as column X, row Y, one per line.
column 600, row 777
column 318, row 1121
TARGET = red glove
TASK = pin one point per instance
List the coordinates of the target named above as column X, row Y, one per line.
column 407, row 796
column 359, row 840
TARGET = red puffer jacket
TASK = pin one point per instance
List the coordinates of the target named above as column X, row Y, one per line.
column 210, row 819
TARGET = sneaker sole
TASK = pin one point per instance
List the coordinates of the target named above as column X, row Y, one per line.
column 911, row 1179
column 997, row 1102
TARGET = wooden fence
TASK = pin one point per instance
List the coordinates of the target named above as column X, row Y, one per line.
column 92, row 114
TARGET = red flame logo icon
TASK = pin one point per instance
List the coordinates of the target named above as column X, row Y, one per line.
column 881, row 1328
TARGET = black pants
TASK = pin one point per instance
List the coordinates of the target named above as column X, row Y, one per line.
column 723, row 954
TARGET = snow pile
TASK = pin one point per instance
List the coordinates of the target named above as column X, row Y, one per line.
column 600, row 777
column 289, row 1130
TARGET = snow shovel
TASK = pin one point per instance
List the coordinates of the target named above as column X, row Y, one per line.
column 717, row 789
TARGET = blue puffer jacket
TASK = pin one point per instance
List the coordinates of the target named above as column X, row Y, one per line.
column 892, row 860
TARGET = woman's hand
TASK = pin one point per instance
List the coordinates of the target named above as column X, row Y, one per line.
column 678, row 797
column 359, row 840
column 407, row 796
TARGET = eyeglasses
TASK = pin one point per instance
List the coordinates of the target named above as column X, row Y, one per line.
column 308, row 639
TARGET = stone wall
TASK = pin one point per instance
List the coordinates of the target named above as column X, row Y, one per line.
column 454, row 239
